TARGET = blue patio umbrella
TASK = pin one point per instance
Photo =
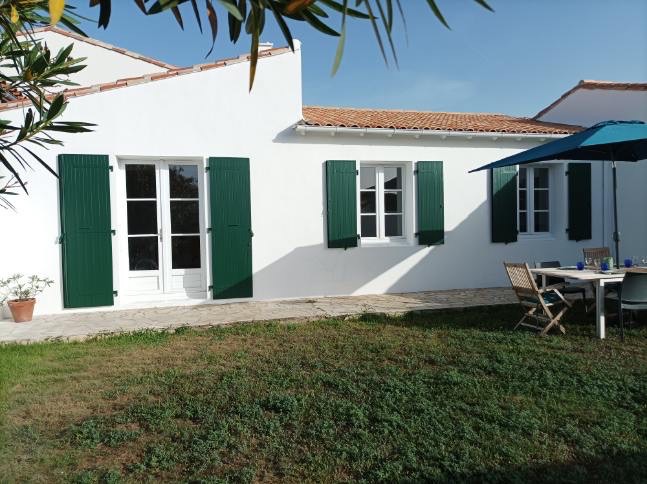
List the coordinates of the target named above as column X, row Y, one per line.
column 607, row 141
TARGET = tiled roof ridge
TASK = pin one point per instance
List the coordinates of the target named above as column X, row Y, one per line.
column 395, row 110
column 594, row 84
column 429, row 121
column 155, row 76
column 100, row 43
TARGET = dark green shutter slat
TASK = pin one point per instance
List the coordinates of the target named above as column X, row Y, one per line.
column 231, row 228
column 86, row 230
column 341, row 203
column 579, row 201
column 431, row 212
column 503, row 191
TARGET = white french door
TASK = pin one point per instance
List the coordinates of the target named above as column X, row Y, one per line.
column 164, row 238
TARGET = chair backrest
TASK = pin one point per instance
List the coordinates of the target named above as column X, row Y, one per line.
column 547, row 265
column 596, row 253
column 634, row 287
column 521, row 279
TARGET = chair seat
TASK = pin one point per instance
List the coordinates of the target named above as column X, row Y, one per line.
column 573, row 289
column 550, row 298
column 633, row 305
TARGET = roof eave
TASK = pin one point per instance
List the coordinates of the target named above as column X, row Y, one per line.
column 304, row 129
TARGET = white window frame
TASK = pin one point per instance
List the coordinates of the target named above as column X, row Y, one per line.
column 381, row 238
column 530, row 202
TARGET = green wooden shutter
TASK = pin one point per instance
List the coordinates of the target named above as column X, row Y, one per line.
column 86, row 234
column 503, row 185
column 341, row 202
column 579, row 201
column 231, row 228
column 431, row 212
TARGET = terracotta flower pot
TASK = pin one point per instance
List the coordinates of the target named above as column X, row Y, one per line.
column 22, row 310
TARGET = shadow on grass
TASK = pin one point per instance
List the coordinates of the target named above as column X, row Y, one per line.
column 625, row 467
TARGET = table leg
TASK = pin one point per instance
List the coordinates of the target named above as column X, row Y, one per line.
column 599, row 309
column 543, row 281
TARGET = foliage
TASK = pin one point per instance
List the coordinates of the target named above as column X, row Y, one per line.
column 32, row 73
column 446, row 396
column 20, row 288
column 251, row 15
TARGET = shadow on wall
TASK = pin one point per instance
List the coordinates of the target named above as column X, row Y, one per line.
column 467, row 260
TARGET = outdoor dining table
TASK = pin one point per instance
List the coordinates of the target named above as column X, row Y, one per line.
column 596, row 277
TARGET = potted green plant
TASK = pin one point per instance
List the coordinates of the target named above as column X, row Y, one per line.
column 20, row 294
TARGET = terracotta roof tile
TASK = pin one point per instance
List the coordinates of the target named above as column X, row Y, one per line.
column 591, row 84
column 428, row 120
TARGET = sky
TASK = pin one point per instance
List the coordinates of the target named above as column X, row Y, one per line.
column 516, row 60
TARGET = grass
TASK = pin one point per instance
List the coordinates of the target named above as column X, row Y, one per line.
column 442, row 396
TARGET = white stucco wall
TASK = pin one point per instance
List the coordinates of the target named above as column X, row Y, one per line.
column 212, row 114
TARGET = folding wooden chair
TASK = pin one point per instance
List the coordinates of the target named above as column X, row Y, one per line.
column 536, row 302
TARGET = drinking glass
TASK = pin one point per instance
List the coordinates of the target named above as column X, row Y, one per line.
column 644, row 260
column 596, row 263
column 588, row 261
column 580, row 266
column 628, row 263
column 604, row 266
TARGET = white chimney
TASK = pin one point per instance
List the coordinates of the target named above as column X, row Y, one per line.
column 265, row 46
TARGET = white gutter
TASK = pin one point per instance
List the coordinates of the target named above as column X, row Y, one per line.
column 303, row 129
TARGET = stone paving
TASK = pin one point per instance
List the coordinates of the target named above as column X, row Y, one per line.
column 77, row 326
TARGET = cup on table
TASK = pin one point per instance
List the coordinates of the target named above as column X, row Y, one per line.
column 604, row 266
column 628, row 263
column 580, row 266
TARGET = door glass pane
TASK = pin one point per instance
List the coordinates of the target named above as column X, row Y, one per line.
column 140, row 181
column 142, row 217
column 522, row 200
column 393, row 202
column 541, row 199
column 367, row 200
column 142, row 253
column 185, row 252
column 367, row 178
column 541, row 177
column 185, row 217
column 392, row 178
column 541, row 221
column 183, row 181
column 393, row 225
column 522, row 177
column 523, row 222
column 369, row 226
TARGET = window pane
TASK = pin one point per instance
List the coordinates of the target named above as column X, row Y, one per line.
column 523, row 202
column 369, row 226
column 183, row 181
column 142, row 253
column 367, row 178
column 541, row 199
column 393, row 202
column 541, row 222
column 541, row 177
column 393, row 225
column 142, row 217
column 523, row 222
column 522, row 178
column 367, row 202
column 140, row 181
column 185, row 217
column 392, row 178
column 185, row 252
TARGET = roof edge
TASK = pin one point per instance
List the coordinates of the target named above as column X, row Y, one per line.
column 155, row 76
column 100, row 43
column 592, row 85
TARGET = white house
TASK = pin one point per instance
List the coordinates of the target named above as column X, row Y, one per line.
column 192, row 189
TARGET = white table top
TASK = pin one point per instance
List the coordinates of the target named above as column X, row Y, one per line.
column 584, row 275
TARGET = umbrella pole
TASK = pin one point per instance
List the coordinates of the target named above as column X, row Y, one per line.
column 616, row 234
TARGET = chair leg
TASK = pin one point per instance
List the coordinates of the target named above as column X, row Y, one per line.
column 621, row 317
column 555, row 322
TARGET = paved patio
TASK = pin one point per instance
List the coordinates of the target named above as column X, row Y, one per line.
column 82, row 325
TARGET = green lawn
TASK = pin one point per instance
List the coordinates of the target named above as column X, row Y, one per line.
column 443, row 396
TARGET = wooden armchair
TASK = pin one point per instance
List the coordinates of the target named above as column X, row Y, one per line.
column 537, row 303
column 596, row 253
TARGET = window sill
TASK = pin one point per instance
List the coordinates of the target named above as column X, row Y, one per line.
column 533, row 237
column 386, row 243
